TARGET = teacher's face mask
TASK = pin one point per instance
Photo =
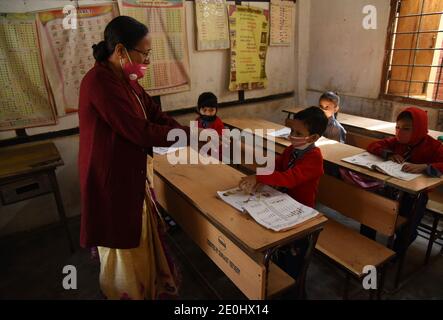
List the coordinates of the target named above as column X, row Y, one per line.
column 133, row 71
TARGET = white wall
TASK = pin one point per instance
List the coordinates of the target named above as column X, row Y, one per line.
column 346, row 58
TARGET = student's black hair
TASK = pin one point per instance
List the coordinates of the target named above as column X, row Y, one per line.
column 122, row 29
column 314, row 119
column 405, row 115
column 331, row 96
column 207, row 99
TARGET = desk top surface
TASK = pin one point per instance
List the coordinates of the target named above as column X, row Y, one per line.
column 370, row 124
column 27, row 158
column 199, row 184
column 333, row 152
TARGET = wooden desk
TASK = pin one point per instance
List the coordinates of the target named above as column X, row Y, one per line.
column 28, row 171
column 384, row 128
column 239, row 246
column 332, row 151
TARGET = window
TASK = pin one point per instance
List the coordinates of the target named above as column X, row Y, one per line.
column 413, row 70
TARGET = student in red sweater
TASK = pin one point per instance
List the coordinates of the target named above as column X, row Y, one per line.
column 298, row 171
column 423, row 154
column 207, row 109
column 300, row 166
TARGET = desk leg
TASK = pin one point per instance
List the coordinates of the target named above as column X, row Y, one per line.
column 406, row 235
column 301, row 283
column 60, row 207
column 266, row 259
column 306, row 248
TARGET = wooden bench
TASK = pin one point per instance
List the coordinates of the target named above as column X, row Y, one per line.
column 347, row 247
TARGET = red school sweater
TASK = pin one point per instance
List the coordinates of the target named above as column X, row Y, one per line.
column 302, row 179
column 422, row 149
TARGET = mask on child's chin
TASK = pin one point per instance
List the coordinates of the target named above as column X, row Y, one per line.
column 299, row 143
column 403, row 137
column 208, row 118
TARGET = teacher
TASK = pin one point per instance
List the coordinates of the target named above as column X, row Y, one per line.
column 119, row 126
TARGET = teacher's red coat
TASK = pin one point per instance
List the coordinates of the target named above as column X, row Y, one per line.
column 115, row 139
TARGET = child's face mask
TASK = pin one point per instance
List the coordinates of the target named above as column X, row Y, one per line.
column 299, row 136
column 208, row 114
column 300, row 143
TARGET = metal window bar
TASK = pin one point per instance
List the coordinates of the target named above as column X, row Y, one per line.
column 416, row 49
column 417, row 65
column 417, row 31
column 420, row 14
column 413, row 81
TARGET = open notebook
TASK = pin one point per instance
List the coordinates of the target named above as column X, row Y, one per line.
column 373, row 162
column 269, row 207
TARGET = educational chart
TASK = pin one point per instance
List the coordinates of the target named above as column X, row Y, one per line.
column 169, row 68
column 249, row 31
column 281, row 23
column 67, row 51
column 24, row 97
column 212, row 24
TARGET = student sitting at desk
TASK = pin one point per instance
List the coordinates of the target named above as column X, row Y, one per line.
column 412, row 144
column 207, row 110
column 298, row 170
column 329, row 102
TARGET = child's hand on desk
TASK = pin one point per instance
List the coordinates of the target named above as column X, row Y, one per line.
column 248, row 184
column 396, row 158
column 414, row 168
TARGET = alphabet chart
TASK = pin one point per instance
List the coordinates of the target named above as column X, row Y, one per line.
column 67, row 49
column 212, row 24
column 281, row 23
column 24, row 97
column 169, row 68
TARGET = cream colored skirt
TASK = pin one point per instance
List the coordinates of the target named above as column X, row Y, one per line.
column 145, row 272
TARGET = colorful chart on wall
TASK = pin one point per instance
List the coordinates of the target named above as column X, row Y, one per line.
column 67, row 52
column 24, row 97
column 169, row 68
column 249, row 32
column 281, row 23
column 212, row 24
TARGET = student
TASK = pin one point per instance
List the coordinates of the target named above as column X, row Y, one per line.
column 300, row 166
column 329, row 102
column 298, row 170
column 207, row 110
column 423, row 153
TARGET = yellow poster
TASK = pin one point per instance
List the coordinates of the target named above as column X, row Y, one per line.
column 249, row 32
column 169, row 68
column 212, row 24
column 24, row 96
column 281, row 23
column 67, row 52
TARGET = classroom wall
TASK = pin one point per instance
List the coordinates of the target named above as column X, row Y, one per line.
column 209, row 71
column 345, row 57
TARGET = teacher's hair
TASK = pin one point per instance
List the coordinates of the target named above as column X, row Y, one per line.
column 122, row 29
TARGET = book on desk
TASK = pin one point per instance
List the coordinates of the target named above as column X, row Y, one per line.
column 374, row 162
column 269, row 207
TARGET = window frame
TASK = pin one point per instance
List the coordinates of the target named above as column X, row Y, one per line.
column 386, row 60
